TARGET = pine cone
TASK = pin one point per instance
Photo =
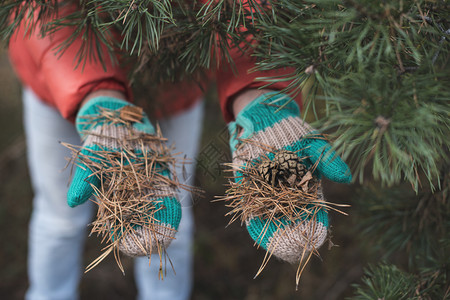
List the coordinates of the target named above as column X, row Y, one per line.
column 286, row 167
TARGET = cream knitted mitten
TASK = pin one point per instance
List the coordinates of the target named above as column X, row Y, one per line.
column 100, row 133
column 271, row 121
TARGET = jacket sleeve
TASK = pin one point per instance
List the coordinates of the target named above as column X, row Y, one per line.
column 232, row 82
column 53, row 76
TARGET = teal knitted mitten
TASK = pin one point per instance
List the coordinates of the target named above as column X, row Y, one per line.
column 100, row 133
column 263, row 123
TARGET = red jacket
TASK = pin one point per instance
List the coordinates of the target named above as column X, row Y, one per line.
column 54, row 78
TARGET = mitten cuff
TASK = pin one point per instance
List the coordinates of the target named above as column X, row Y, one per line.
column 86, row 118
column 94, row 106
column 268, row 109
column 265, row 117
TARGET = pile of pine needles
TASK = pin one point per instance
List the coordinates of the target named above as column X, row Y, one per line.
column 132, row 178
column 250, row 194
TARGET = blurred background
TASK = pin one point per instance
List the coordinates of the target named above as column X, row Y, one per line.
column 225, row 259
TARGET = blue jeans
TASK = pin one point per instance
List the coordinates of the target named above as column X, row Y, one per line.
column 57, row 232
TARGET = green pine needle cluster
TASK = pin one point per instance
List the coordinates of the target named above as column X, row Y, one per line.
column 384, row 213
column 388, row 282
column 385, row 282
column 13, row 12
column 382, row 70
column 169, row 39
column 395, row 127
column 411, row 230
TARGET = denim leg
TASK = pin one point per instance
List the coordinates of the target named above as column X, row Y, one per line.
column 56, row 232
column 184, row 131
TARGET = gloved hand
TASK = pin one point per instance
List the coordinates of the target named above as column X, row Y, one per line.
column 100, row 133
column 261, row 123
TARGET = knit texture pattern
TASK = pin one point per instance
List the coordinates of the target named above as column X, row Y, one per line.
column 100, row 134
column 274, row 120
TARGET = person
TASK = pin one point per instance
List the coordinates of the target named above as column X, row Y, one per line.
column 52, row 96
column 57, row 96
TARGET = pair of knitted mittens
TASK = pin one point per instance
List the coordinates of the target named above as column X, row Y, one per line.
column 272, row 121
column 110, row 125
column 266, row 126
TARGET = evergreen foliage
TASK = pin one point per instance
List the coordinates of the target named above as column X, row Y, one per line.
column 379, row 72
column 386, row 282
column 411, row 229
column 383, row 71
